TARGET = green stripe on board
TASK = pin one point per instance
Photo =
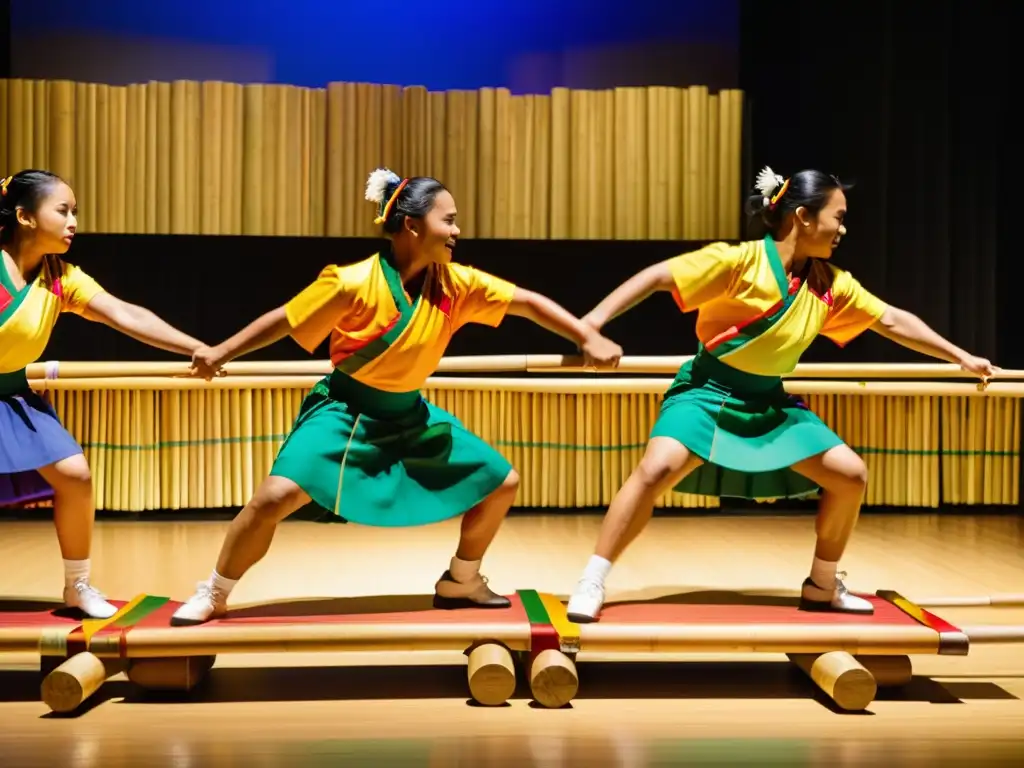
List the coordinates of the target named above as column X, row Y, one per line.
column 535, row 610
column 140, row 611
column 214, row 441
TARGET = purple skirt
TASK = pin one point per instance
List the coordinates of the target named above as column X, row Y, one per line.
column 31, row 436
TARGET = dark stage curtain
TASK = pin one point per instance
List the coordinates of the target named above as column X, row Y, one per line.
column 5, row 46
column 910, row 100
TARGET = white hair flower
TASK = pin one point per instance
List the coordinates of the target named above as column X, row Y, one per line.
column 767, row 182
column 377, row 184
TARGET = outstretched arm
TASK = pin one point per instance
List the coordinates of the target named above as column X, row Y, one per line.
column 544, row 312
column 630, row 293
column 139, row 323
column 261, row 332
column 912, row 332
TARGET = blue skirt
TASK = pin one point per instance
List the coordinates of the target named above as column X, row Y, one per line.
column 31, row 436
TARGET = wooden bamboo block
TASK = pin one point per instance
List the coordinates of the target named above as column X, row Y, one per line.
column 368, row 152
column 602, row 222
column 100, row 203
column 211, row 183
column 253, row 174
column 416, row 131
column 491, row 674
column 392, row 118
column 179, row 191
column 841, row 677
column 152, row 170
column 135, row 182
column 117, row 156
column 554, row 680
column 294, row 175
column 165, row 149
column 438, row 152
column 639, row 146
column 279, row 208
column 170, row 674
column 488, row 140
column 303, row 199
column 521, row 155
column 40, row 124
column 318, row 162
column 714, row 173
column 271, row 157
column 61, row 129
column 735, row 155
column 354, row 170
column 582, row 163
column 501, row 181
column 335, row 140
column 193, row 132
column 562, row 156
column 68, row 686
column 540, row 205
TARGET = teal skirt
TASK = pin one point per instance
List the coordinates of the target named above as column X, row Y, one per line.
column 386, row 459
column 746, row 428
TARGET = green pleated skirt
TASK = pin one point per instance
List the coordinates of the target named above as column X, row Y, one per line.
column 746, row 428
column 386, row 459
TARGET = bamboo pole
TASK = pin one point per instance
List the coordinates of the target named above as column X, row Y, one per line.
column 513, row 363
column 534, row 385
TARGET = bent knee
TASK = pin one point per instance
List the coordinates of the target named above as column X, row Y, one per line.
column 71, row 475
column 276, row 498
column 511, row 482
column 850, row 476
column 662, row 464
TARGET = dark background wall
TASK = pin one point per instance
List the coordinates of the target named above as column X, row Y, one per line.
column 212, row 286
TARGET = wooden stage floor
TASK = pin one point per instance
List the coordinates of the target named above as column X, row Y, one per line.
column 389, row 710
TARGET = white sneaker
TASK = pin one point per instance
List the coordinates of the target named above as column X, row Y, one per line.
column 814, row 598
column 88, row 600
column 586, row 602
column 207, row 603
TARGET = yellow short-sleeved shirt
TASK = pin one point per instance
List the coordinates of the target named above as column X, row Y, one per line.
column 357, row 304
column 751, row 315
column 28, row 316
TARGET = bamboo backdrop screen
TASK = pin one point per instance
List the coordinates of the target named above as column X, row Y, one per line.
column 196, row 449
column 220, row 158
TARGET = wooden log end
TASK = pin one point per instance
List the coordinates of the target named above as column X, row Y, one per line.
column 554, row 681
column 492, row 674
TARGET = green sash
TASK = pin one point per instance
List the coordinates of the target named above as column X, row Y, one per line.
column 763, row 324
column 382, row 343
column 10, row 297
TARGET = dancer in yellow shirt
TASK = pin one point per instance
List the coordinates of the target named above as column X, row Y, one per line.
column 39, row 459
column 366, row 444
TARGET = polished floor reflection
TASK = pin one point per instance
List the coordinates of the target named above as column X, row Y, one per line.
column 404, row 710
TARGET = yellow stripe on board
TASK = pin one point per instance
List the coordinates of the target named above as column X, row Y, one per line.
column 91, row 626
column 568, row 631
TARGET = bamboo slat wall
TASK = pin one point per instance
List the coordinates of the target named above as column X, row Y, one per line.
column 222, row 159
column 157, row 449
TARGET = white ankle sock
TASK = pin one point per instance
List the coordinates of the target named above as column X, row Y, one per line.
column 597, row 569
column 75, row 570
column 222, row 584
column 823, row 573
column 464, row 570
